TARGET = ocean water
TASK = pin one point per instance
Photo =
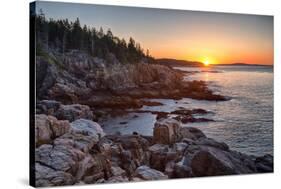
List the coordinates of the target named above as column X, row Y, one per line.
column 245, row 122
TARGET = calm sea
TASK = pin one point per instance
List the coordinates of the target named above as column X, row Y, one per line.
column 245, row 122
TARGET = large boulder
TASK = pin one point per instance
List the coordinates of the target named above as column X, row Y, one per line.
column 162, row 154
column 146, row 173
column 166, row 131
column 213, row 161
column 47, row 128
column 87, row 127
column 46, row 177
column 59, row 157
column 126, row 151
column 93, row 168
column 70, row 160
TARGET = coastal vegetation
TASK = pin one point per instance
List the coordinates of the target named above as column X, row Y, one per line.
column 64, row 36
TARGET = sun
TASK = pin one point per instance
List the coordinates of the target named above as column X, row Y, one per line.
column 206, row 62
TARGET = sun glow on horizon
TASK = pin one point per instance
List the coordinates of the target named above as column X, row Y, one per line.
column 206, row 62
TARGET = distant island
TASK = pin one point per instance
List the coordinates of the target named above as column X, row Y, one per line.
column 174, row 62
column 243, row 64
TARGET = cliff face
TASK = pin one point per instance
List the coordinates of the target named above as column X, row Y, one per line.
column 77, row 75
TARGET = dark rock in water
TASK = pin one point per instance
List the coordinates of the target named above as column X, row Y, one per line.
column 151, row 103
column 184, row 111
column 135, row 133
column 123, row 122
column 161, row 115
column 264, row 164
column 190, row 119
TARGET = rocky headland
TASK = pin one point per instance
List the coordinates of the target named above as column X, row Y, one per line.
column 75, row 90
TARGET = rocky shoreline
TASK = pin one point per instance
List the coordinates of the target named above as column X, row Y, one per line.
column 103, row 86
column 80, row 152
column 75, row 91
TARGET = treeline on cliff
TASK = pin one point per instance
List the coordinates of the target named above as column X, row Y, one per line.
column 64, row 35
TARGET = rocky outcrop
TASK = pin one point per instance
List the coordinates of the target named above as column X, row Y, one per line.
column 84, row 154
column 87, row 127
column 46, row 176
column 68, row 112
column 78, row 78
column 48, row 128
column 69, row 157
column 166, row 131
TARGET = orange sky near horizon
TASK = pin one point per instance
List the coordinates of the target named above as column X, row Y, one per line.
column 217, row 47
column 220, row 38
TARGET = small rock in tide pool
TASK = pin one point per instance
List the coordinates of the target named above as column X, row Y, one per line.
column 161, row 115
column 123, row 122
column 135, row 116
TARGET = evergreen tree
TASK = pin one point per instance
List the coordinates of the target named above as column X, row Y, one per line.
column 64, row 35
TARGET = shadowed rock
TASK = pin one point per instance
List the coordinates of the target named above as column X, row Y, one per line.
column 46, row 177
column 146, row 173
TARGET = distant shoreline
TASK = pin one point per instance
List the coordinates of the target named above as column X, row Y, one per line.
column 175, row 62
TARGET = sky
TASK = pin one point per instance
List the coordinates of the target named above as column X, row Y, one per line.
column 219, row 38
